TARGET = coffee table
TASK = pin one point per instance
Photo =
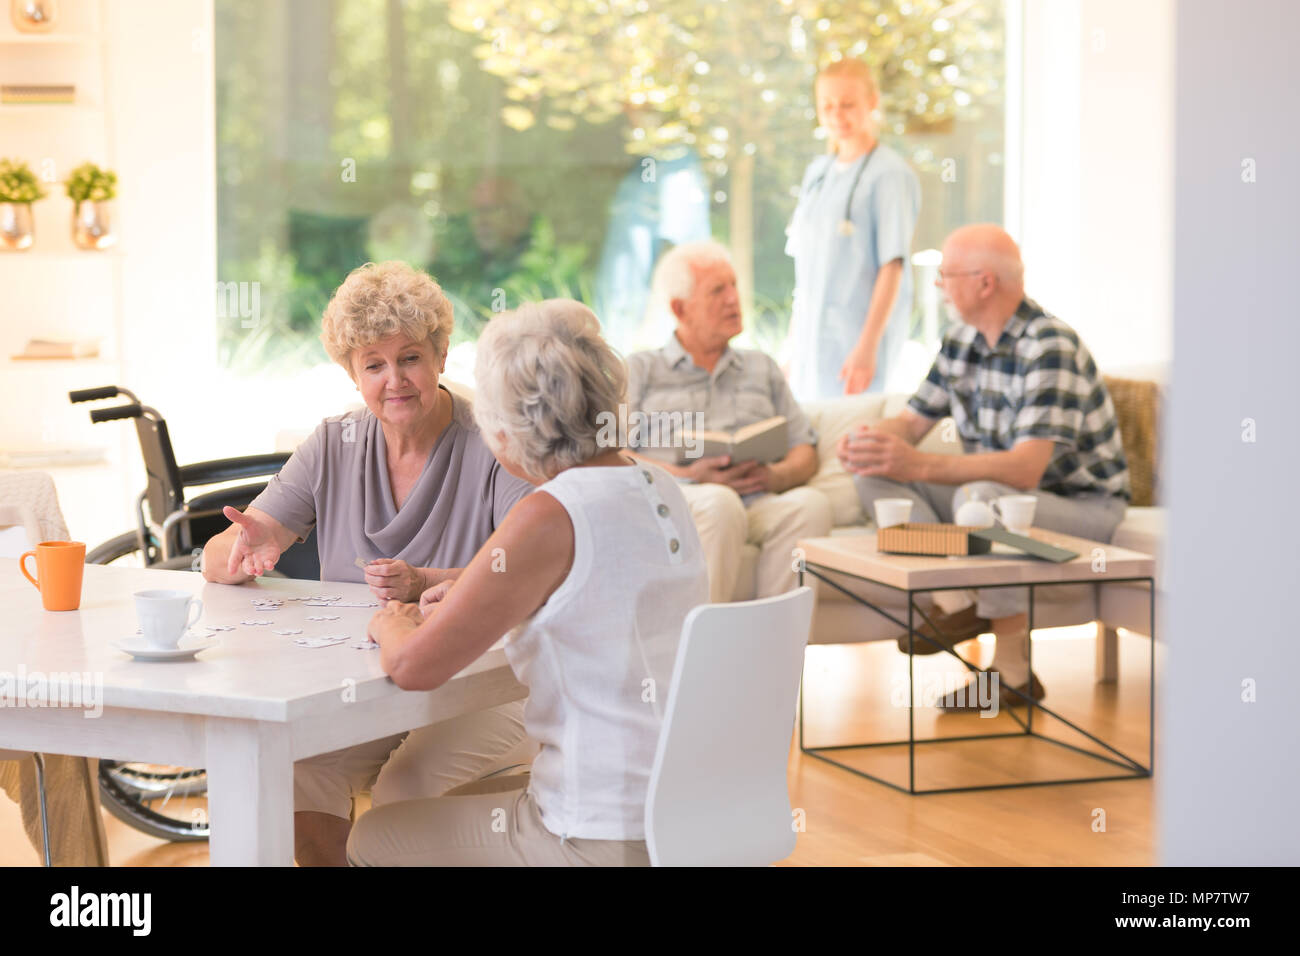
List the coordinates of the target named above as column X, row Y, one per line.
column 856, row 557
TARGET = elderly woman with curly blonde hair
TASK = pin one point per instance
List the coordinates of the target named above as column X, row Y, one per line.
column 409, row 486
column 605, row 564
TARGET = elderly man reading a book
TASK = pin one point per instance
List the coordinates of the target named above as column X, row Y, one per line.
column 724, row 422
column 1034, row 418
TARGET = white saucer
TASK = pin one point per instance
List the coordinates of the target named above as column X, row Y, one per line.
column 141, row 651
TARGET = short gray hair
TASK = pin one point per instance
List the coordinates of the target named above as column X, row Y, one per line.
column 674, row 276
column 546, row 379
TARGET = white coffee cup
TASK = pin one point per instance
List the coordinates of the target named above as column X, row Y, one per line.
column 892, row 511
column 1016, row 512
column 165, row 615
column 974, row 514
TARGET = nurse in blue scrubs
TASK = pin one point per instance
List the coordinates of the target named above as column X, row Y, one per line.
column 850, row 238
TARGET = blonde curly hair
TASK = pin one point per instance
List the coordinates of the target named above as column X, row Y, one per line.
column 382, row 299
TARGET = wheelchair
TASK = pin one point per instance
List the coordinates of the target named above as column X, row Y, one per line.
column 171, row 529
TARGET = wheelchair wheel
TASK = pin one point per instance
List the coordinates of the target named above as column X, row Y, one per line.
column 169, row 803
column 124, row 551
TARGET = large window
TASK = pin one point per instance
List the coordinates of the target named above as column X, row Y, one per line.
column 520, row 149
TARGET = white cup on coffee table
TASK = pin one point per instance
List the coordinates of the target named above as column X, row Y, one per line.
column 892, row 511
column 165, row 615
column 1016, row 512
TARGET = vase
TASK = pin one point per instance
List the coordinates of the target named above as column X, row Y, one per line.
column 33, row 16
column 92, row 225
column 16, row 227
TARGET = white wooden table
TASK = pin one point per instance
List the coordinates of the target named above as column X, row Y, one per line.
column 245, row 710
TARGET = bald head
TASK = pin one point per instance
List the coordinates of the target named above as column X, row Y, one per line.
column 987, row 247
column 982, row 277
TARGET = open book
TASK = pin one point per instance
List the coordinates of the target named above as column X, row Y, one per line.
column 60, row 349
column 766, row 441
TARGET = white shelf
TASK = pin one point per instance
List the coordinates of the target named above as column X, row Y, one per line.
column 57, row 457
column 36, row 109
column 78, row 373
column 61, row 255
column 21, row 39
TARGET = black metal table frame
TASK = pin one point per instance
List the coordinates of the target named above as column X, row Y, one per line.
column 1027, row 726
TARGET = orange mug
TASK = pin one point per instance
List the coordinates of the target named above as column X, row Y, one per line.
column 58, row 565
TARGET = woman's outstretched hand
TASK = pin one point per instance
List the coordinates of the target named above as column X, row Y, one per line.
column 254, row 551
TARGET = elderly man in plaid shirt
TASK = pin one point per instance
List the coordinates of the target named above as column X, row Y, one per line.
column 1034, row 418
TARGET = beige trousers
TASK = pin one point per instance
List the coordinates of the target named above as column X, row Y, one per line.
column 773, row 523
column 422, row 763
column 488, row 823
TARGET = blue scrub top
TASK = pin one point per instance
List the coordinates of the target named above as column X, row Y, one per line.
column 835, row 273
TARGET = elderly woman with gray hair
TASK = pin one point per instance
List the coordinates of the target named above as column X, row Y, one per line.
column 408, row 486
column 603, row 565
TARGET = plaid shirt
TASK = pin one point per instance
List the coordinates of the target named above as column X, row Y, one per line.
column 1039, row 381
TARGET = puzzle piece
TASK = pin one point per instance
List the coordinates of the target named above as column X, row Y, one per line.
column 322, row 641
column 253, row 623
column 364, row 645
column 322, row 617
column 288, row 631
column 354, row 604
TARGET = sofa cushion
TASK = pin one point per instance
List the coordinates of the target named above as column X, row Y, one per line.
column 833, row 418
column 1143, row 529
column 1137, row 407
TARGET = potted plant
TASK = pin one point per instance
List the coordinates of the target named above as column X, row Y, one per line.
column 33, row 16
column 19, row 188
column 91, row 189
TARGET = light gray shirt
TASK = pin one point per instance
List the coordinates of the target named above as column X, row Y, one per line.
column 746, row 386
column 337, row 480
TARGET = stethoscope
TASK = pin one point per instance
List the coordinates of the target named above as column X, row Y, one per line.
column 846, row 224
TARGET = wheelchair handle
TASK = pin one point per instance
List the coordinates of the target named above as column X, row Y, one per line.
column 132, row 410
column 93, row 394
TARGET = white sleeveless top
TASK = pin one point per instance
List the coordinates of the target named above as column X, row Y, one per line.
column 598, row 656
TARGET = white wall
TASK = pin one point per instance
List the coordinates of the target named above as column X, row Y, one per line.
column 1095, row 199
column 1227, row 771
column 162, row 100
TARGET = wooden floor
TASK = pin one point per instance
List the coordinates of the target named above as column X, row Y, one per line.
column 852, row 695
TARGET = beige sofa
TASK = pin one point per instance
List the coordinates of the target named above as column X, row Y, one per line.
column 839, row 620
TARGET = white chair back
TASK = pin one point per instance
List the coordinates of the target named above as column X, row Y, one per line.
column 718, row 793
column 36, row 502
column 20, row 529
column 19, row 532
